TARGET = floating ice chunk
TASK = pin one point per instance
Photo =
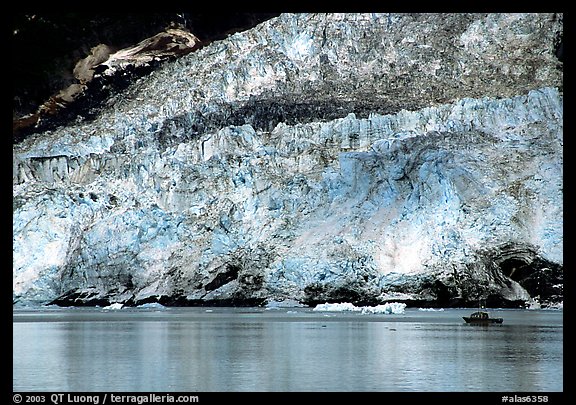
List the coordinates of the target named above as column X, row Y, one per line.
column 152, row 305
column 115, row 305
column 430, row 309
column 387, row 308
column 533, row 303
column 556, row 305
column 288, row 303
column 337, row 307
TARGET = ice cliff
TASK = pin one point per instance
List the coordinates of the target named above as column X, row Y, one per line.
column 360, row 158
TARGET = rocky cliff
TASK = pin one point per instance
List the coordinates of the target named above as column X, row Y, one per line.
column 336, row 157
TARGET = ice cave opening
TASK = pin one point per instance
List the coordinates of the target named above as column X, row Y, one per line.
column 541, row 278
column 518, row 269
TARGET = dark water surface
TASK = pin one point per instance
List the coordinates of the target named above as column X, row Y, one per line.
column 287, row 349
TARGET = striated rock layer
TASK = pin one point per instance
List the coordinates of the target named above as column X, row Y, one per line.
column 362, row 158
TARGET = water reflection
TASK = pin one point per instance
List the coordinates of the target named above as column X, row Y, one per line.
column 347, row 355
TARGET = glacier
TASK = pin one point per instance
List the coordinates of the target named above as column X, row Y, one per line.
column 334, row 158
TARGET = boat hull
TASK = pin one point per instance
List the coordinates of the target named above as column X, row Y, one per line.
column 482, row 321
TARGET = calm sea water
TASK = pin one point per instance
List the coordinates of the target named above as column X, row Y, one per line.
column 288, row 349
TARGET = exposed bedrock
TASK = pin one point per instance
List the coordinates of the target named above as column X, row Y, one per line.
column 361, row 158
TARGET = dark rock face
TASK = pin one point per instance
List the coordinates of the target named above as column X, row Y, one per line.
column 47, row 45
column 55, row 56
column 365, row 158
column 102, row 73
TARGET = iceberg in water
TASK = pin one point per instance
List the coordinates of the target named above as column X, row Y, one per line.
column 387, row 308
column 152, row 305
column 556, row 305
column 338, row 307
column 287, row 303
column 115, row 305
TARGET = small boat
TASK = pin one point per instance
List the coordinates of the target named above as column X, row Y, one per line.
column 481, row 318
